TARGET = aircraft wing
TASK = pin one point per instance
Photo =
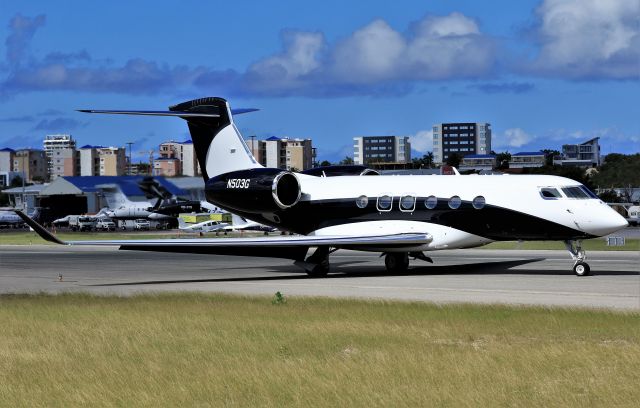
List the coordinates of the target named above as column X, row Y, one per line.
column 291, row 247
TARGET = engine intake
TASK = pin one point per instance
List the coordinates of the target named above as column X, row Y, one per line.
column 255, row 190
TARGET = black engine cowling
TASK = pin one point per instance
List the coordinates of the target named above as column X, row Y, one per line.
column 255, row 190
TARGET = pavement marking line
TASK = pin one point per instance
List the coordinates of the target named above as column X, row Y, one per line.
column 532, row 292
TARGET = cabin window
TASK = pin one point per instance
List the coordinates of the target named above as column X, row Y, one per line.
column 431, row 202
column 455, row 202
column 407, row 203
column 478, row 202
column 384, row 203
column 362, row 201
column 549, row 193
column 575, row 192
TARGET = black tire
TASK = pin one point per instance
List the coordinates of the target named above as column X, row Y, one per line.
column 397, row 262
column 320, row 270
column 581, row 269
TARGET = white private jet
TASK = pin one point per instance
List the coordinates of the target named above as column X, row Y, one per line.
column 399, row 216
column 205, row 226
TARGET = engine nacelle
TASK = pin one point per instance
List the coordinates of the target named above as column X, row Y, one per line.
column 255, row 190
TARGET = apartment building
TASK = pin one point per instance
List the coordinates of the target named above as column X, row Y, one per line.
column 381, row 149
column 464, row 138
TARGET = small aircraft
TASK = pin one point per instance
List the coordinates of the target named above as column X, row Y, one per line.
column 205, row 226
column 162, row 205
column 8, row 218
column 400, row 216
column 242, row 224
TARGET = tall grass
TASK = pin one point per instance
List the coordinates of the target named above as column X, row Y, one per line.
column 222, row 350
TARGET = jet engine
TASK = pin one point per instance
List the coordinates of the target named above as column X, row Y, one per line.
column 256, row 191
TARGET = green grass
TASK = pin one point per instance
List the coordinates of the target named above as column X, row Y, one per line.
column 222, row 350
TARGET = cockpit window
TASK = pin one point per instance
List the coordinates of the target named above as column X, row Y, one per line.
column 549, row 193
column 575, row 192
column 589, row 192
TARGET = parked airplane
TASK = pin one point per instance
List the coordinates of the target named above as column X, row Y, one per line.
column 8, row 218
column 242, row 224
column 400, row 216
column 162, row 205
column 205, row 226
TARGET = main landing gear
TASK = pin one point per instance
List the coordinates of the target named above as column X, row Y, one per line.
column 317, row 265
column 398, row 262
column 580, row 267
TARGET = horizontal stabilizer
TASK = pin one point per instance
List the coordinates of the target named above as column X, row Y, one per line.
column 179, row 114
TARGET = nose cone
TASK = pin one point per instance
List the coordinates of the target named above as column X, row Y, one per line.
column 607, row 222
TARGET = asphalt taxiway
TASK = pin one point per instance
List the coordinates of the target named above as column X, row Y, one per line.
column 476, row 275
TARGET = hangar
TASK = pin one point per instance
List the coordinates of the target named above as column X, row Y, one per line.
column 85, row 194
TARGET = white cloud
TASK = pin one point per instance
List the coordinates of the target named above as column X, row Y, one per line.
column 371, row 53
column 516, row 137
column 436, row 48
column 584, row 39
column 422, row 141
column 299, row 59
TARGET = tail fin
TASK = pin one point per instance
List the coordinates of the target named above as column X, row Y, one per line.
column 181, row 224
column 218, row 144
column 238, row 221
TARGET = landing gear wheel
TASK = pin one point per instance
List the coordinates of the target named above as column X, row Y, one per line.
column 320, row 262
column 581, row 269
column 320, row 270
column 396, row 262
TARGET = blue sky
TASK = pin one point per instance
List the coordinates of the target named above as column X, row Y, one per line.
column 543, row 72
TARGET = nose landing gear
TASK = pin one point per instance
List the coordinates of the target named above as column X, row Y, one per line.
column 580, row 267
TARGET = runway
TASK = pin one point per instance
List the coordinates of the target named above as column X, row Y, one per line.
column 477, row 275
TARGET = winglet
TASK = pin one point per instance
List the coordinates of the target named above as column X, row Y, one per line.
column 39, row 229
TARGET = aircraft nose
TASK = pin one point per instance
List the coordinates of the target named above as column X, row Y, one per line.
column 608, row 222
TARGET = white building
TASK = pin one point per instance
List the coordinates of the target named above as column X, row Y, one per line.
column 585, row 154
column 61, row 155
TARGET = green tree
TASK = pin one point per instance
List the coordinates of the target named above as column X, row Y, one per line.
column 619, row 170
column 347, row 161
column 325, row 163
column 503, row 159
column 549, row 154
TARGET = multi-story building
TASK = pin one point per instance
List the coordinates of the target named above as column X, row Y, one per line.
column 381, row 149
column 585, row 154
column 478, row 162
column 32, row 163
column 526, row 159
column 283, row 153
column 6, row 159
column 168, row 167
column 61, row 155
column 113, row 161
column 185, row 153
column 461, row 138
column 89, row 160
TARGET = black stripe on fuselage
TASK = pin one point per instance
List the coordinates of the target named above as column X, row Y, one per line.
column 492, row 222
